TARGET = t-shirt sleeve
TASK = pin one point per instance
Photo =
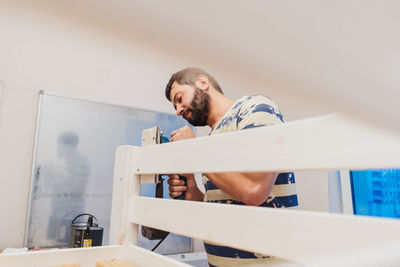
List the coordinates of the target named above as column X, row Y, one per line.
column 257, row 113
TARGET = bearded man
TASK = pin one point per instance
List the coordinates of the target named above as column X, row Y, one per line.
column 198, row 98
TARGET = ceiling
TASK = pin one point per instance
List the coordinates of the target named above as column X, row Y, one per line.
column 338, row 55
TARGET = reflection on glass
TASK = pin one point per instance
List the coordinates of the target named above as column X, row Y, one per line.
column 376, row 192
column 66, row 179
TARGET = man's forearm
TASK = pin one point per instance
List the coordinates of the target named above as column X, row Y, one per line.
column 250, row 188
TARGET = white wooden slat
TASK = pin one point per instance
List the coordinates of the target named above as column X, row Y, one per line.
column 382, row 256
column 125, row 184
column 146, row 258
column 327, row 142
column 291, row 234
column 87, row 257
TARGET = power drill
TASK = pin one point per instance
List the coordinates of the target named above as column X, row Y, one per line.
column 165, row 139
column 154, row 136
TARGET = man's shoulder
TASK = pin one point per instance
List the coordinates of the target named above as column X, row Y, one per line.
column 256, row 99
column 252, row 109
column 258, row 110
column 257, row 103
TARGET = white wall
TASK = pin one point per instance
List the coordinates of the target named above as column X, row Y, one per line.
column 44, row 51
column 312, row 190
column 66, row 54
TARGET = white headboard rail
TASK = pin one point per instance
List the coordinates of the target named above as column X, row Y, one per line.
column 327, row 142
column 311, row 238
column 300, row 236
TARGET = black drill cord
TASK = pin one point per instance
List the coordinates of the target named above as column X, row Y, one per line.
column 156, row 246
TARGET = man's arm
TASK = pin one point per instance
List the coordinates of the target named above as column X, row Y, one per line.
column 252, row 189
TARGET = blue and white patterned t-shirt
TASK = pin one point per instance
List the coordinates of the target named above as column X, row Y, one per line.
column 248, row 112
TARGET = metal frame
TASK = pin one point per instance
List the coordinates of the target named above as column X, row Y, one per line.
column 33, row 170
column 310, row 238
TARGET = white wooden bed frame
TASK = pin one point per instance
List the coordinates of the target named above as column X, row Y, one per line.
column 311, row 238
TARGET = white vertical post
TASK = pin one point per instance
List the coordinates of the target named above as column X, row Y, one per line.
column 347, row 196
column 126, row 185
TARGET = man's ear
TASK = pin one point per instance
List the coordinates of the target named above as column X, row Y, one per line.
column 202, row 82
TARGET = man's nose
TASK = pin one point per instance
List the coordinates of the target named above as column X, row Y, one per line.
column 179, row 110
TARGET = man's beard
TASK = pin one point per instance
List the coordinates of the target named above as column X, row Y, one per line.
column 200, row 108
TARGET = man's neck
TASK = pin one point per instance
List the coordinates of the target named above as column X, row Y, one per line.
column 219, row 105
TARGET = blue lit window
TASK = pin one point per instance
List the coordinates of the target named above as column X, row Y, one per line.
column 376, row 192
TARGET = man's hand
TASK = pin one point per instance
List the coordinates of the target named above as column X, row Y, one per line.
column 177, row 187
column 181, row 134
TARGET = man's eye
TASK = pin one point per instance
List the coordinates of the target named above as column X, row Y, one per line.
column 180, row 99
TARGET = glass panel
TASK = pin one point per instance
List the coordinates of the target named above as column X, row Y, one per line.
column 74, row 166
column 376, row 192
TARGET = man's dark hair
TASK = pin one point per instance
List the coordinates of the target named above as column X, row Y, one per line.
column 188, row 76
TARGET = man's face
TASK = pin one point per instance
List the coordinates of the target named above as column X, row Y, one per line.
column 192, row 103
